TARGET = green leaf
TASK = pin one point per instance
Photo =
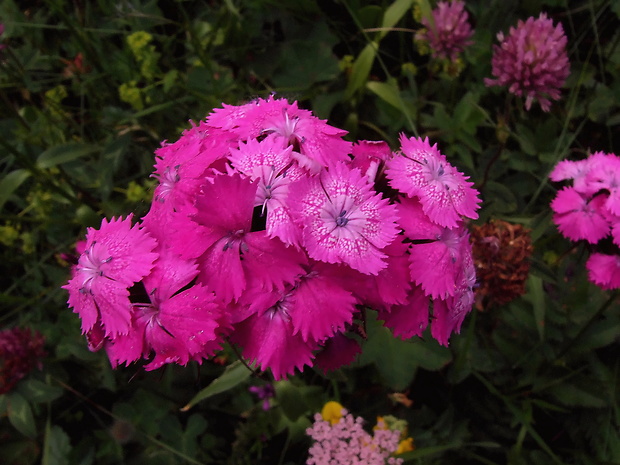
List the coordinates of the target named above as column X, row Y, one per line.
column 64, row 153
column 290, row 400
column 235, row 374
column 577, row 396
column 499, row 198
column 387, row 92
column 37, row 391
column 393, row 14
column 526, row 140
column 57, row 447
column 361, row 69
column 536, row 295
column 10, row 183
column 20, row 414
column 398, row 360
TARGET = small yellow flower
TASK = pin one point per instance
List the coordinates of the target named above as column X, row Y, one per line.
column 130, row 93
column 138, row 42
column 406, row 445
column 332, row 412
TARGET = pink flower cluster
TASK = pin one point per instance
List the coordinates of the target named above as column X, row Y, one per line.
column 448, row 33
column 532, row 61
column 590, row 210
column 267, row 230
column 347, row 443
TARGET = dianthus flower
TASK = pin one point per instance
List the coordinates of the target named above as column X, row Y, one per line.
column 588, row 211
column 269, row 229
column 115, row 257
column 179, row 322
column 21, row 350
column 343, row 220
column 449, row 32
column 532, row 61
column 422, row 171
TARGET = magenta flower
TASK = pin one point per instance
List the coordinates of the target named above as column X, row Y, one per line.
column 449, row 313
column 315, row 143
column 368, row 156
column 437, row 253
column 532, row 61
column 270, row 230
column 338, row 351
column 268, row 340
column 604, row 175
column 116, row 256
column 422, row 171
column 579, row 217
column 180, row 167
column 271, row 164
column 410, row 318
column 449, row 32
column 229, row 252
column 343, row 219
column 177, row 324
column 589, row 210
column 604, row 270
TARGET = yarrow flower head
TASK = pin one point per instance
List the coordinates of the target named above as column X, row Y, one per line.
column 270, row 231
column 532, row 61
column 340, row 438
column 589, row 210
column 448, row 33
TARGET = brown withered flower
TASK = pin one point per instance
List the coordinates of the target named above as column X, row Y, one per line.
column 501, row 254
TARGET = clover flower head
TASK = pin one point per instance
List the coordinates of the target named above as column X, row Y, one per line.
column 532, row 61
column 449, row 32
column 21, row 351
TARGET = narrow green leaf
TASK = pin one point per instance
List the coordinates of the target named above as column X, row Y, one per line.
column 64, row 153
column 393, row 14
column 234, row 375
column 10, row 183
column 361, row 69
column 537, row 295
column 20, row 414
column 386, row 92
column 425, row 9
column 572, row 395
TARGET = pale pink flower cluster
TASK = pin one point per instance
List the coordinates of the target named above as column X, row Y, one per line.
column 590, row 210
column 268, row 229
column 448, row 33
column 532, row 61
column 347, row 443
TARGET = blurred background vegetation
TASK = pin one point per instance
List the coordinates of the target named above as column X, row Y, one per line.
column 89, row 89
